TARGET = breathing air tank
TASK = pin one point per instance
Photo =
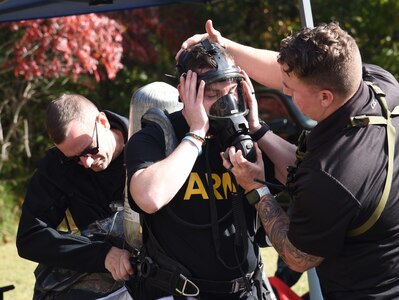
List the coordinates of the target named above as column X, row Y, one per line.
column 149, row 102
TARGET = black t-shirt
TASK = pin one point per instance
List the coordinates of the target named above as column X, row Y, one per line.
column 56, row 187
column 182, row 227
column 337, row 187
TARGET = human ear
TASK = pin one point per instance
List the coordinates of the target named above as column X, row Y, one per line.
column 180, row 92
column 327, row 98
column 102, row 119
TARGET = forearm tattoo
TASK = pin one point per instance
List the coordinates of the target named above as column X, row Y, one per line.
column 276, row 223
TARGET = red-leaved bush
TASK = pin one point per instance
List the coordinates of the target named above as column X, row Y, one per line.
column 67, row 46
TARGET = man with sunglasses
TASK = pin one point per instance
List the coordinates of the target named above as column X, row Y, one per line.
column 84, row 173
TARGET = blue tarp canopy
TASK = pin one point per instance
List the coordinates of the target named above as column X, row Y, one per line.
column 14, row 10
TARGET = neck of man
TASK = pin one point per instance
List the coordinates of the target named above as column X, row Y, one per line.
column 119, row 142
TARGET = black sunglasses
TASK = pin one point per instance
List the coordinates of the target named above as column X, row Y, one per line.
column 89, row 151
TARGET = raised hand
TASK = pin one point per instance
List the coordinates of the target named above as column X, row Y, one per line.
column 194, row 111
column 253, row 115
column 211, row 33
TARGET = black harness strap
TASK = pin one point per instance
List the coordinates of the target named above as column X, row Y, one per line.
column 161, row 270
column 169, row 275
column 239, row 220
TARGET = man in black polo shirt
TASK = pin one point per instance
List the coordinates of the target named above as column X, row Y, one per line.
column 345, row 181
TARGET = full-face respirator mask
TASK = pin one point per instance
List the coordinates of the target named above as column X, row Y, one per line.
column 227, row 115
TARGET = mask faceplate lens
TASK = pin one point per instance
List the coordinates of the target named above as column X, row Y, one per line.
column 230, row 104
column 225, row 106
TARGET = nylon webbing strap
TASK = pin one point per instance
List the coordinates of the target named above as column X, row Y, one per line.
column 360, row 121
column 301, row 150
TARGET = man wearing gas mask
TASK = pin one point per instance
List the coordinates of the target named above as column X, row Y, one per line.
column 198, row 234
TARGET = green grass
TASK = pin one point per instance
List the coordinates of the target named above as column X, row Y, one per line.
column 269, row 256
column 19, row 272
column 9, row 213
column 16, row 271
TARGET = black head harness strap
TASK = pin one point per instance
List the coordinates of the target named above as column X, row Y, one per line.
column 221, row 70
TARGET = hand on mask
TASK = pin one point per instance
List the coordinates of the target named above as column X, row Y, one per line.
column 244, row 170
column 193, row 111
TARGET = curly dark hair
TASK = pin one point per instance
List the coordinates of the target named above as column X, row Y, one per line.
column 325, row 56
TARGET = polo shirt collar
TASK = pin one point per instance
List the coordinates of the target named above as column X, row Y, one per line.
column 327, row 129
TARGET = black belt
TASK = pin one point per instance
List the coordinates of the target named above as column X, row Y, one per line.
column 223, row 287
column 193, row 286
column 176, row 282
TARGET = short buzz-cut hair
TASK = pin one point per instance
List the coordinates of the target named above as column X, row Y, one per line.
column 64, row 109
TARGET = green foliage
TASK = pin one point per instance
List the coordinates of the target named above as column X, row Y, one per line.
column 9, row 212
column 22, row 116
column 260, row 24
column 374, row 24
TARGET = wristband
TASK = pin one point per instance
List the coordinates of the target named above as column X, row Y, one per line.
column 254, row 196
column 195, row 142
column 196, row 136
column 257, row 135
